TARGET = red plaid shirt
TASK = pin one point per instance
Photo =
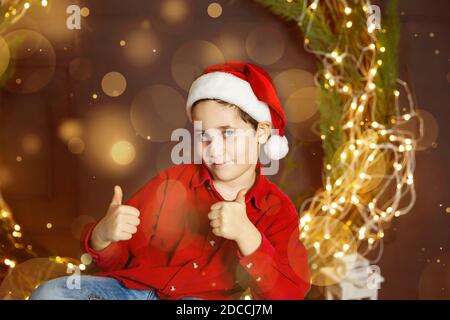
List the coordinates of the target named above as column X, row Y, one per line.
column 175, row 252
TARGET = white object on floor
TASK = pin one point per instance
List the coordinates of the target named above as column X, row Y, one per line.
column 354, row 279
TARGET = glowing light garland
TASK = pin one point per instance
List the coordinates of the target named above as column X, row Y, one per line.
column 11, row 237
column 358, row 199
column 12, row 11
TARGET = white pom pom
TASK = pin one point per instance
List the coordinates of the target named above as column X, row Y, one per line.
column 276, row 147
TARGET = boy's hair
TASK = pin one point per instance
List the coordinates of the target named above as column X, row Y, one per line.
column 244, row 115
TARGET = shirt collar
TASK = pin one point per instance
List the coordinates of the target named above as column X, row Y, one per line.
column 255, row 192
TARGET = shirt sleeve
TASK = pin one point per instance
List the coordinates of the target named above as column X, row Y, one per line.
column 115, row 256
column 278, row 269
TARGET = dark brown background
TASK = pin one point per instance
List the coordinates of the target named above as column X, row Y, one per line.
column 55, row 186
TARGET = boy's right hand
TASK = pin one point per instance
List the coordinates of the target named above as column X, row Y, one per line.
column 119, row 223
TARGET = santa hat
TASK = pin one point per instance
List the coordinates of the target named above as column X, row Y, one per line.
column 250, row 88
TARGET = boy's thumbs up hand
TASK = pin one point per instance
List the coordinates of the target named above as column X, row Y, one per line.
column 117, row 197
column 229, row 218
column 119, row 223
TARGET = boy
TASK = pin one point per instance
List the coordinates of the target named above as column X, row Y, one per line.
column 209, row 230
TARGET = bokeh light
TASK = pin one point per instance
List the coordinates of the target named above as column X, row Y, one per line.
column 114, row 84
column 31, row 143
column 123, row 152
column 85, row 11
column 302, row 104
column 86, row 259
column 76, row 145
column 214, row 10
column 70, row 128
column 174, row 11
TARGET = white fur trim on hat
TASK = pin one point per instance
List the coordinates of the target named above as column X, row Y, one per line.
column 229, row 88
column 276, row 147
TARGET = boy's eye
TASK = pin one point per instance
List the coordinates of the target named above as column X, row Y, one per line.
column 228, row 133
column 203, row 136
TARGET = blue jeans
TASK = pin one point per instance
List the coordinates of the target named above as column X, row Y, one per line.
column 92, row 288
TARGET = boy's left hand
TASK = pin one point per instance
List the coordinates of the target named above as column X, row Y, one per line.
column 229, row 219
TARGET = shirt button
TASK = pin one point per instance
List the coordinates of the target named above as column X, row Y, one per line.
column 212, row 243
column 258, row 279
column 249, row 265
column 195, row 265
column 172, row 288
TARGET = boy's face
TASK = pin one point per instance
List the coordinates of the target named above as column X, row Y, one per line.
column 228, row 144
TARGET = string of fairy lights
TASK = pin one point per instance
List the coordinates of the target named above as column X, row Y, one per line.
column 343, row 217
column 15, row 237
column 13, row 10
